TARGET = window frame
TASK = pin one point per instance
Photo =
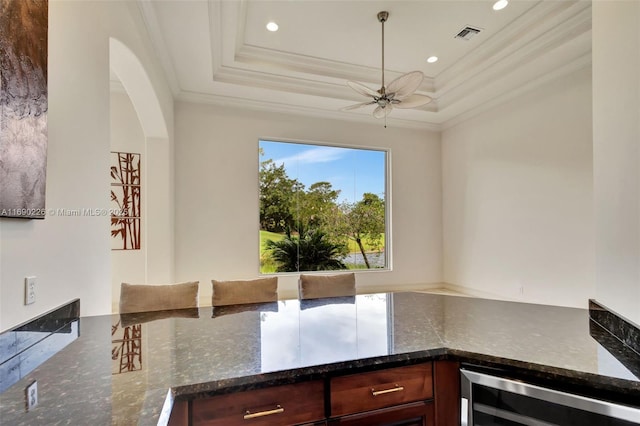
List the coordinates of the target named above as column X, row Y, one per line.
column 388, row 251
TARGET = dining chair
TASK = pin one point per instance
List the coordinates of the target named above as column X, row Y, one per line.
column 235, row 292
column 319, row 286
column 146, row 298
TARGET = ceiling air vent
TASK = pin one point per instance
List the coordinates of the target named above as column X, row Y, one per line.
column 467, row 33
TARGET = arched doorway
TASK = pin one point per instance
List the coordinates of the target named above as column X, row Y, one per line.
column 138, row 126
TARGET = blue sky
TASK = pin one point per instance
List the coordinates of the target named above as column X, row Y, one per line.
column 352, row 171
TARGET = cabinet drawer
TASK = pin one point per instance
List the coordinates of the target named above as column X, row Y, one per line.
column 279, row 405
column 413, row 414
column 369, row 391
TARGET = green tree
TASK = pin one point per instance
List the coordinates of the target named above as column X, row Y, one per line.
column 312, row 251
column 277, row 197
column 365, row 221
column 316, row 208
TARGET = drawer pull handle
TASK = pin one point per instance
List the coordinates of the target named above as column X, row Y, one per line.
column 382, row 392
column 248, row 415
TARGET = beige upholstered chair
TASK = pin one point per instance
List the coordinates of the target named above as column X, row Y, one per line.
column 319, row 286
column 237, row 292
column 145, row 298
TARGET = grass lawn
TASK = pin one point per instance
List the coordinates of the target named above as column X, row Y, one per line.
column 353, row 246
column 267, row 265
column 266, row 235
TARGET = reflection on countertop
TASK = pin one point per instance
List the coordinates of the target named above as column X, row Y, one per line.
column 27, row 346
column 222, row 350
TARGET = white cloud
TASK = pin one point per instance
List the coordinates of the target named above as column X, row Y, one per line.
column 314, row 156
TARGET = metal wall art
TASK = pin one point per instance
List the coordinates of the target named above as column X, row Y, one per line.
column 126, row 348
column 125, row 201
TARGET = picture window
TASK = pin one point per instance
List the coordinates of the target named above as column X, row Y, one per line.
column 322, row 207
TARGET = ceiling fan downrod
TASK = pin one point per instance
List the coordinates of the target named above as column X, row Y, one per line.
column 382, row 17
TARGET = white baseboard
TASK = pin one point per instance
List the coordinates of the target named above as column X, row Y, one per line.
column 397, row 288
column 475, row 293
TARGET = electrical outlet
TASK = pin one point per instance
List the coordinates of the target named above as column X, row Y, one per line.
column 32, row 395
column 29, row 290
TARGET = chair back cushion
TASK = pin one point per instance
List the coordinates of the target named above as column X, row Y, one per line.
column 236, row 292
column 145, row 298
column 318, row 286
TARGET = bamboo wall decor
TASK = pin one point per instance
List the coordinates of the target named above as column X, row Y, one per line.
column 23, row 107
column 125, row 201
column 126, row 348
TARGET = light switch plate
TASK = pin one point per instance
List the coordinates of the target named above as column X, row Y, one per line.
column 32, row 395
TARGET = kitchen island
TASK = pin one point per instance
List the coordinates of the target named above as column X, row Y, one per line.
column 135, row 369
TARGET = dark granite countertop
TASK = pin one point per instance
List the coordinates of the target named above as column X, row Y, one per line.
column 123, row 370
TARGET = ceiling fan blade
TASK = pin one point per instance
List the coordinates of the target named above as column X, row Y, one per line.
column 356, row 106
column 413, row 101
column 405, row 85
column 382, row 112
column 362, row 89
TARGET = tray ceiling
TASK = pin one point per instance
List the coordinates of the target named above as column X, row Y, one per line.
column 220, row 52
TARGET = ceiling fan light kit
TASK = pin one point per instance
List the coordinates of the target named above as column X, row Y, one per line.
column 398, row 94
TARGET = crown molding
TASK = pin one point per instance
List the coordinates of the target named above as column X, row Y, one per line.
column 322, row 69
column 150, row 20
column 279, row 61
column 577, row 64
column 237, row 63
column 287, row 108
column 295, row 85
column 216, row 36
column 549, row 39
column 517, row 38
column 507, row 77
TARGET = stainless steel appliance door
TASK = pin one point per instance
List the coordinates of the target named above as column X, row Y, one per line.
column 492, row 400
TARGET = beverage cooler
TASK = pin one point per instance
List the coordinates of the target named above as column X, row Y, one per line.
column 492, row 400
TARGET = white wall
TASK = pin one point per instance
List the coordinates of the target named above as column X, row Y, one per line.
column 616, row 152
column 517, row 197
column 71, row 255
column 127, row 136
column 217, row 194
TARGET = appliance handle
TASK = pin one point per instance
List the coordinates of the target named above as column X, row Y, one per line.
column 464, row 412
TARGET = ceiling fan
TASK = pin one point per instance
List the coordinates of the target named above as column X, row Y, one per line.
column 398, row 94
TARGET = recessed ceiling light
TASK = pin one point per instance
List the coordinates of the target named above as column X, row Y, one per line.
column 272, row 26
column 500, row 4
column 432, row 59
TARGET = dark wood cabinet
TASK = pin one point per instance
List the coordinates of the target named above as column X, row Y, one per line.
column 414, row 414
column 424, row 394
column 279, row 405
column 179, row 414
column 357, row 393
column 446, row 387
